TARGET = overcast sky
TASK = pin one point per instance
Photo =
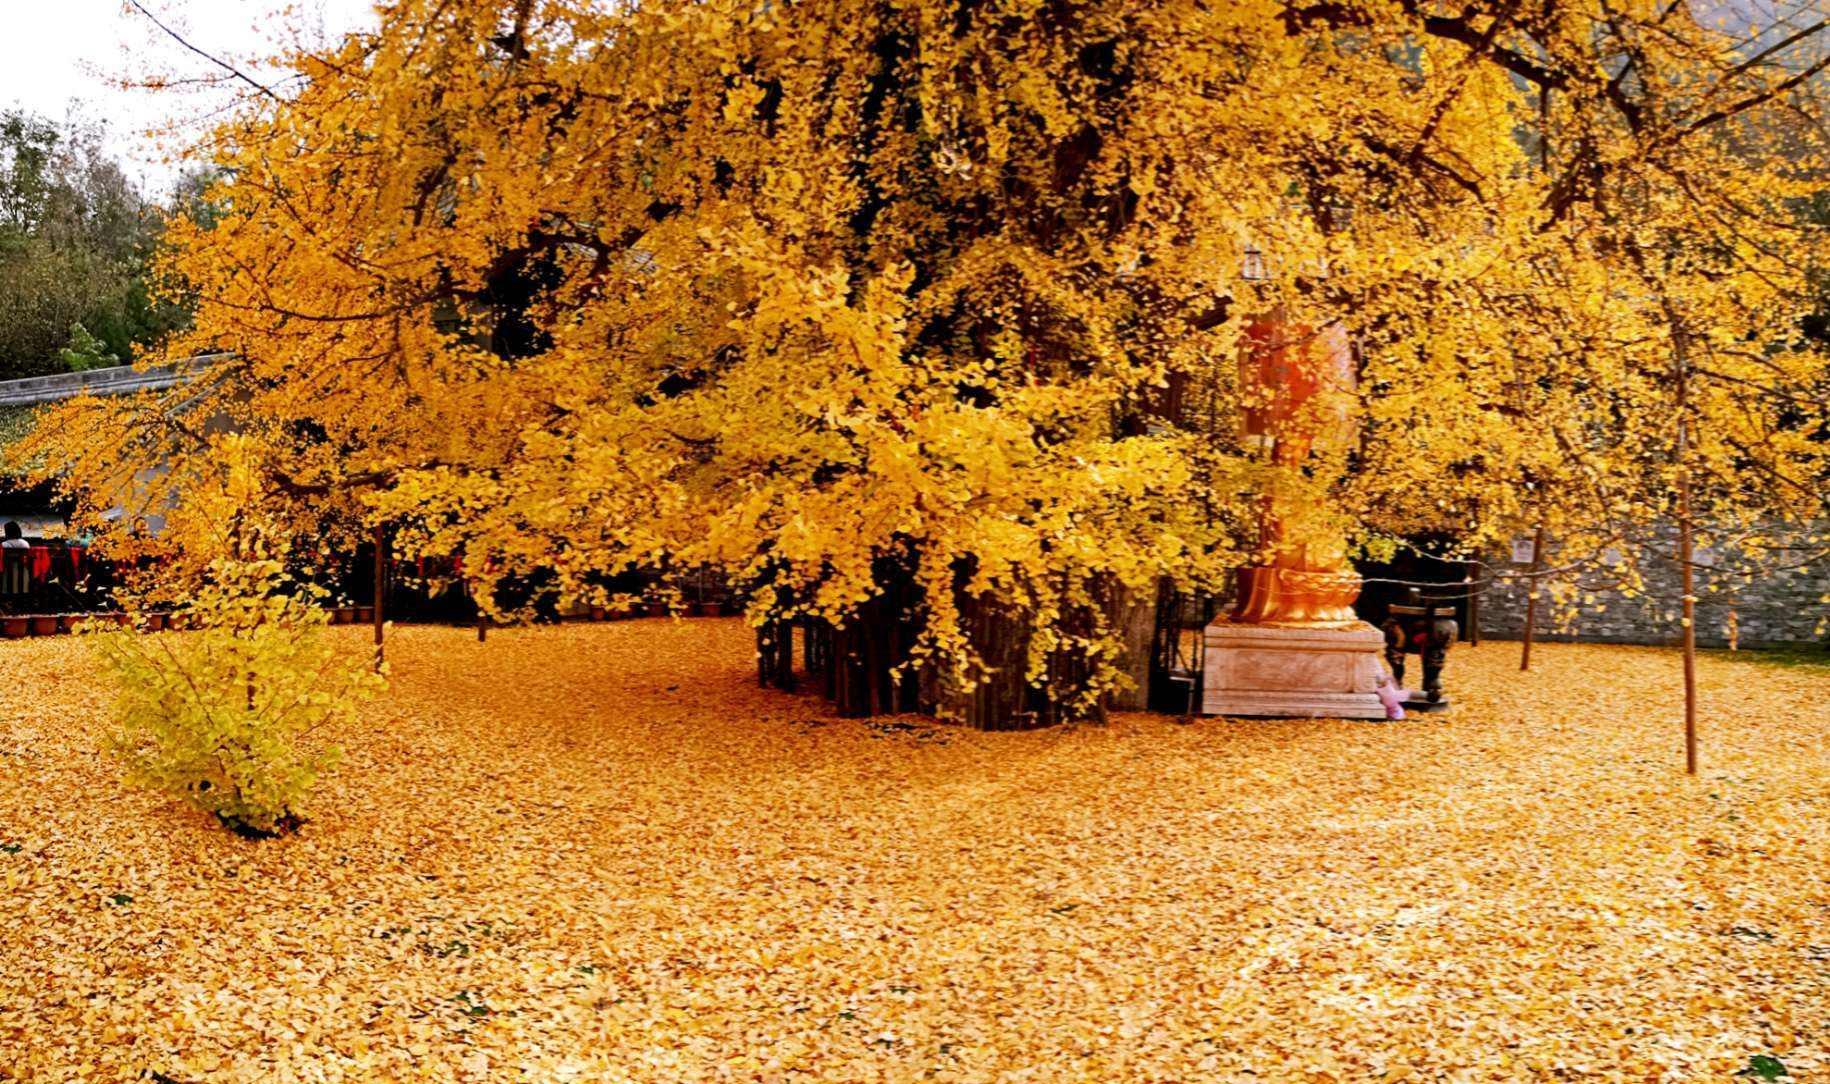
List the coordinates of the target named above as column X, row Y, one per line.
column 56, row 55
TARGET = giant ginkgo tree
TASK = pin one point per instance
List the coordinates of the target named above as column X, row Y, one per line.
column 921, row 319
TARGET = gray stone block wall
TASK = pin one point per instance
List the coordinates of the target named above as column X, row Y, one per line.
column 1767, row 608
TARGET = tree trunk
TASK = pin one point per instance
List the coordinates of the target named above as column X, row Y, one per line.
column 998, row 701
column 1531, row 598
column 1687, row 558
column 864, row 659
column 864, row 668
column 1134, row 617
column 381, row 592
column 784, row 657
column 775, row 656
column 1686, row 538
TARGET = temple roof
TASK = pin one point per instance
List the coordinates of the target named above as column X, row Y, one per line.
column 115, row 380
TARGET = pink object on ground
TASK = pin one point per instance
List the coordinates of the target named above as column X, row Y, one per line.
column 1393, row 698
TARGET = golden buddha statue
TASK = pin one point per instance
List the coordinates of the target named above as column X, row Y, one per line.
column 1299, row 386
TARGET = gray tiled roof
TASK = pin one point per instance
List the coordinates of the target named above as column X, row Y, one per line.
column 115, row 380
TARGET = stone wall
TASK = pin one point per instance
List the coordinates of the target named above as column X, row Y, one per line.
column 1765, row 608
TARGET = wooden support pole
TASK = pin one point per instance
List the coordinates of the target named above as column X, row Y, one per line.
column 1531, row 598
column 381, row 591
column 1471, row 583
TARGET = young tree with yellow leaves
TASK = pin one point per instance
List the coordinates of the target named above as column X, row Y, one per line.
column 231, row 716
column 925, row 315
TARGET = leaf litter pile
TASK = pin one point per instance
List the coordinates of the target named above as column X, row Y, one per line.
column 599, row 853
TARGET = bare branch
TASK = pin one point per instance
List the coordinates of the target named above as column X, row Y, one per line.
column 218, row 61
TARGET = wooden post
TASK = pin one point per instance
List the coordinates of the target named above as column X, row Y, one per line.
column 381, row 590
column 1471, row 583
column 1531, row 598
column 482, row 616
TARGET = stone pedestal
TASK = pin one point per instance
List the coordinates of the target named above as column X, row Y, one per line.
column 1268, row 670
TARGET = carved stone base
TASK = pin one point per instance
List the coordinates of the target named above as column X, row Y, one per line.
column 1278, row 671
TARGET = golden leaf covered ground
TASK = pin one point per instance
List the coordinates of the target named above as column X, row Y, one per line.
column 599, row 853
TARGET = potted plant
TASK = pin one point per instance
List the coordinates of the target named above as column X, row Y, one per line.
column 13, row 627
column 67, row 622
column 598, row 613
column 44, row 625
column 156, row 622
column 365, row 614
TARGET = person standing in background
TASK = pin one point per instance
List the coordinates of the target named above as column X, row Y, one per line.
column 15, row 573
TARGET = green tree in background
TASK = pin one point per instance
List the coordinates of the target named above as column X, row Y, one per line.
column 76, row 240
column 86, row 351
